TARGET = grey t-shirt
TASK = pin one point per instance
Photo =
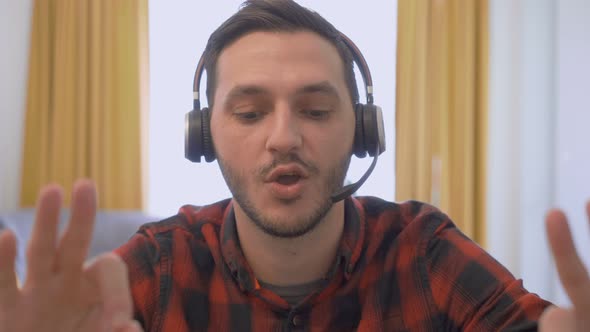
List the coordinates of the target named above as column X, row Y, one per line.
column 294, row 294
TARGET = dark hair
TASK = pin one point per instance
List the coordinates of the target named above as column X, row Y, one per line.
column 274, row 15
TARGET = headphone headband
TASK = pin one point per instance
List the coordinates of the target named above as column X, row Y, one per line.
column 360, row 61
column 357, row 57
column 197, row 81
column 369, row 135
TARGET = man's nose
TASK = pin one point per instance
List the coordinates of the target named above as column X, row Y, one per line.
column 284, row 131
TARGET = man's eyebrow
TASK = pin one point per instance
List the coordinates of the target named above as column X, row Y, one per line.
column 324, row 87
column 240, row 91
column 246, row 90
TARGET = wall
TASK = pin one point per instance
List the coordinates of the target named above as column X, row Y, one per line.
column 14, row 38
column 178, row 35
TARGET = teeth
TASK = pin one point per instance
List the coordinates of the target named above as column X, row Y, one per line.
column 289, row 174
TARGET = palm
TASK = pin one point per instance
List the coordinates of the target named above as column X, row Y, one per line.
column 60, row 292
column 72, row 306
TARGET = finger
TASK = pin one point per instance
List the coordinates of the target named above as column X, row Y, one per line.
column 41, row 246
column 557, row 319
column 571, row 269
column 74, row 244
column 8, row 283
column 109, row 272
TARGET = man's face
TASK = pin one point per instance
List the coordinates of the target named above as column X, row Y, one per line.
column 282, row 127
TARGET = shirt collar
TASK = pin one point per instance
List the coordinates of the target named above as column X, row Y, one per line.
column 349, row 252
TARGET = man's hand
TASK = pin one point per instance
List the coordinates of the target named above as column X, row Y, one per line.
column 61, row 293
column 573, row 275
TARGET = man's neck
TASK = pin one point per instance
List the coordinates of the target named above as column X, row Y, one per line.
column 291, row 261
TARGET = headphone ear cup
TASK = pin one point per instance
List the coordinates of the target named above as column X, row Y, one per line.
column 207, row 140
column 374, row 130
column 197, row 136
column 358, row 148
column 370, row 129
column 192, row 136
column 369, row 135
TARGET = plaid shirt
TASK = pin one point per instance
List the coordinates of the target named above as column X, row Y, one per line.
column 400, row 267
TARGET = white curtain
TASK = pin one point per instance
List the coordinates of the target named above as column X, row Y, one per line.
column 572, row 160
column 15, row 26
column 521, row 153
column 539, row 111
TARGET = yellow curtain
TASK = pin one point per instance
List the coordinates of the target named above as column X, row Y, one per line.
column 86, row 99
column 441, row 110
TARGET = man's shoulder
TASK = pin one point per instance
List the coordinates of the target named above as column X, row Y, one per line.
column 190, row 218
column 376, row 207
column 418, row 216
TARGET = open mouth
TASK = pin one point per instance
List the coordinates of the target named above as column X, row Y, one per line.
column 288, row 179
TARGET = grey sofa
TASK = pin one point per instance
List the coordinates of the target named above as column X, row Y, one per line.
column 112, row 229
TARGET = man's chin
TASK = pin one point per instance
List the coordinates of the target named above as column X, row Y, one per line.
column 287, row 218
column 287, row 229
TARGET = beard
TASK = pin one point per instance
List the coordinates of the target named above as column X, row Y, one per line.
column 310, row 217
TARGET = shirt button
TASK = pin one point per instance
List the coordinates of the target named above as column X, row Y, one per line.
column 297, row 321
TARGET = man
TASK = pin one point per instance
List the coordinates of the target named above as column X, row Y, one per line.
column 281, row 254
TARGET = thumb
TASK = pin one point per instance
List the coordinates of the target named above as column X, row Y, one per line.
column 557, row 319
column 109, row 272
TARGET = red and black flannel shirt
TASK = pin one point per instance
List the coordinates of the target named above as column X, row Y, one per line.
column 400, row 267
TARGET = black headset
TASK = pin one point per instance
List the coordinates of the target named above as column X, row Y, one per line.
column 369, row 135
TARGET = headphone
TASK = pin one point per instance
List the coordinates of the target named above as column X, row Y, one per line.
column 369, row 134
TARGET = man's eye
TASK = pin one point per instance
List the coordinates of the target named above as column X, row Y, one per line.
column 316, row 114
column 249, row 116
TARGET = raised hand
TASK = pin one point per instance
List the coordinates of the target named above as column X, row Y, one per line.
column 573, row 275
column 61, row 292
